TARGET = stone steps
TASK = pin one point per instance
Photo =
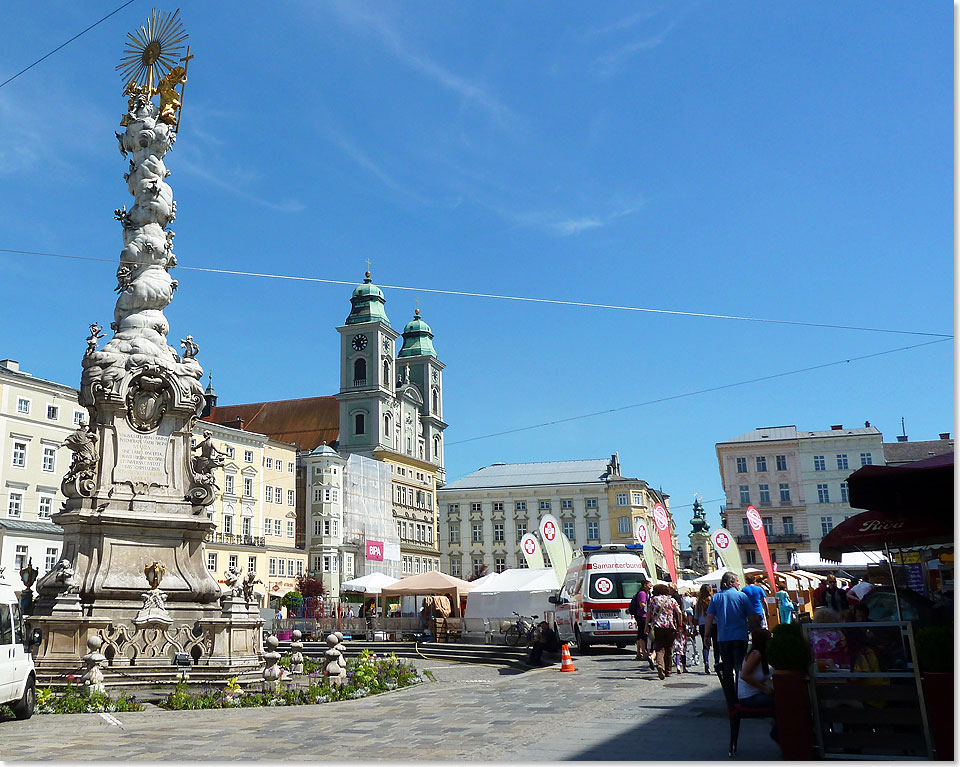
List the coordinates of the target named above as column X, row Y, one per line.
column 495, row 655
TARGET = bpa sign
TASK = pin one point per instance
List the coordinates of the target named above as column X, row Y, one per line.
column 375, row 550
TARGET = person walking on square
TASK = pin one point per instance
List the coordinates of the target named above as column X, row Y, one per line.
column 664, row 619
column 757, row 596
column 734, row 615
column 700, row 615
column 638, row 609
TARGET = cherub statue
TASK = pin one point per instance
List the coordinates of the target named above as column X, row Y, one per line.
column 123, row 277
column 66, row 577
column 249, row 580
column 95, row 335
column 169, row 98
column 83, row 443
column 190, row 349
column 123, row 216
column 210, row 457
column 231, row 579
column 137, row 95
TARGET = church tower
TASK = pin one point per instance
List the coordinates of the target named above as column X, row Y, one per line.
column 367, row 373
column 418, row 356
column 704, row 558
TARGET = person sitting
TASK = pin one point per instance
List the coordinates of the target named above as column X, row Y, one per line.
column 755, row 685
column 547, row 641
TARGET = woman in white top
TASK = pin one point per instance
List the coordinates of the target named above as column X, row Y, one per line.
column 755, row 686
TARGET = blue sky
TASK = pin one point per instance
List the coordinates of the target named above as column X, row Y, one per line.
column 761, row 159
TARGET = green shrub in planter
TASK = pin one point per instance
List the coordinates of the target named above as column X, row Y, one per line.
column 787, row 649
column 935, row 649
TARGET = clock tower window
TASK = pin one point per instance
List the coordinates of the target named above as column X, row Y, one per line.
column 359, row 424
column 386, row 374
column 360, row 372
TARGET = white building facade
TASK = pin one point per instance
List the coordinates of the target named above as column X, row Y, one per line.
column 35, row 418
column 827, row 458
column 484, row 515
column 796, row 480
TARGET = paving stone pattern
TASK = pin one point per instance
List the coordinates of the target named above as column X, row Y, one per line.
column 609, row 710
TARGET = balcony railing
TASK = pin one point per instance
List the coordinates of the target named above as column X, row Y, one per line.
column 775, row 538
column 359, row 382
column 236, row 540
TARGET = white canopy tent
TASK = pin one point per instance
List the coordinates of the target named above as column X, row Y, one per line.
column 371, row 583
column 498, row 595
column 712, row 579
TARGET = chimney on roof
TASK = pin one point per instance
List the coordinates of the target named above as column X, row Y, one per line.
column 837, row 427
column 945, row 435
column 12, row 365
column 615, row 465
column 902, row 438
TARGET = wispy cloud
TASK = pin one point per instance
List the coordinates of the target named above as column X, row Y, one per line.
column 353, row 15
column 234, row 183
column 611, row 62
column 363, row 160
column 565, row 225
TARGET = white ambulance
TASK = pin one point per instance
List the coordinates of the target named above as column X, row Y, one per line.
column 18, row 679
column 591, row 606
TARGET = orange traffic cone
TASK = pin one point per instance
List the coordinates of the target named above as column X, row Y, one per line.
column 566, row 662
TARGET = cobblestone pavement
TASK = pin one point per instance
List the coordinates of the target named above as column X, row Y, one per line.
column 609, row 710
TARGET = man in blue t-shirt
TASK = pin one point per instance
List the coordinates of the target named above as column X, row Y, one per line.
column 756, row 595
column 734, row 615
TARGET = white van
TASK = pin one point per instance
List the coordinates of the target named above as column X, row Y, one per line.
column 592, row 603
column 18, row 679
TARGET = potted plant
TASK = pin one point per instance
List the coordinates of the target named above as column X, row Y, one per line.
column 935, row 657
column 789, row 655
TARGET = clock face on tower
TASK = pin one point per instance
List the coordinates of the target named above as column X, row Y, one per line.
column 360, row 342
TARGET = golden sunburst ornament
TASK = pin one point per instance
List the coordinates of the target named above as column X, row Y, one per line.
column 153, row 50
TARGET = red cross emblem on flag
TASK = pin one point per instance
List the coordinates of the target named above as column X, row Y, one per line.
column 549, row 531
column 722, row 541
column 529, row 546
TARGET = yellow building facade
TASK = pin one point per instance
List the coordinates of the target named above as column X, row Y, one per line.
column 255, row 511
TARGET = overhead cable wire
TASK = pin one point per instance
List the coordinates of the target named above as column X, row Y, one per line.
column 527, row 299
column 10, row 79
column 694, row 393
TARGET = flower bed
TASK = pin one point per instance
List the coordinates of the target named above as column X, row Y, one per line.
column 75, row 701
column 368, row 674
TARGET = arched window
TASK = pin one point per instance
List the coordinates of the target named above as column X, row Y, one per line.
column 436, row 448
column 360, row 372
column 386, row 373
column 386, row 425
column 359, row 424
column 436, row 401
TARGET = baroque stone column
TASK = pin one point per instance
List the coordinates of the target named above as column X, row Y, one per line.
column 137, row 488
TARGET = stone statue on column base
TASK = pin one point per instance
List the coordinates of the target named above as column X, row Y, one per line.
column 296, row 657
column 94, row 660
column 67, row 601
column 272, row 671
column 154, row 611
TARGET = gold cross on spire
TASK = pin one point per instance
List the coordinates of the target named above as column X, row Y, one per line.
column 368, row 264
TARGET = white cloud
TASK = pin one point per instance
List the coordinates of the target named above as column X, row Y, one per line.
column 353, row 15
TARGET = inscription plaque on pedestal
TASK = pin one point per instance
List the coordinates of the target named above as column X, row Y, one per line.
column 142, row 458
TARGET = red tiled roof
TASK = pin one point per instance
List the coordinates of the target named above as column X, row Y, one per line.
column 304, row 422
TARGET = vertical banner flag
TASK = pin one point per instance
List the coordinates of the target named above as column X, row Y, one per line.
column 662, row 520
column 530, row 547
column 760, row 536
column 550, row 534
column 643, row 538
column 726, row 547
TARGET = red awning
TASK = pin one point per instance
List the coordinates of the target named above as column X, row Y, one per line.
column 871, row 530
column 925, row 485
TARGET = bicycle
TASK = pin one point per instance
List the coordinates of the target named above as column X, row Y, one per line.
column 521, row 630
